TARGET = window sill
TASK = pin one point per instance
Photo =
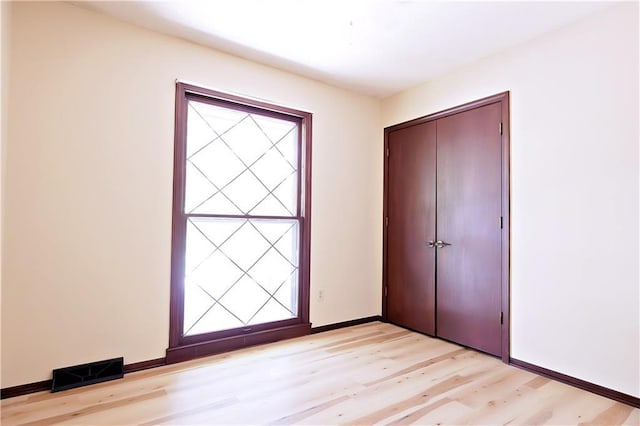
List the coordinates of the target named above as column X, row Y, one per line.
column 212, row 347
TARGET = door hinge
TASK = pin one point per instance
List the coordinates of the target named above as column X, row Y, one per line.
column 501, row 222
column 386, row 221
column 386, row 291
column 501, row 127
column 388, row 152
column 501, row 317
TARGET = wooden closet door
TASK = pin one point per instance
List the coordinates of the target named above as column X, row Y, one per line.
column 411, row 215
column 469, row 219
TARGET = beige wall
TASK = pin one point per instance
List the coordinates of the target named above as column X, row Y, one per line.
column 88, row 193
column 574, row 182
column 5, row 22
column 88, row 188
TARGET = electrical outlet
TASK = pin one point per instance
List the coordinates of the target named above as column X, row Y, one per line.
column 320, row 295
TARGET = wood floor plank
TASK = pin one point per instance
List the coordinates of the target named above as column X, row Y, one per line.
column 372, row 373
column 85, row 411
column 419, row 365
column 424, row 396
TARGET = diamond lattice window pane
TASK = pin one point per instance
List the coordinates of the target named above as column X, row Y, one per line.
column 271, row 206
column 196, row 304
column 246, row 246
column 239, row 163
column 239, row 272
column 287, row 294
column 200, row 188
column 198, row 247
column 287, row 193
column 274, row 230
column 272, row 169
column 217, row 230
column 275, row 129
column 218, row 203
column 215, row 275
column 199, row 131
column 288, row 147
column 215, row 319
column 272, row 271
column 214, row 272
column 218, row 163
column 245, row 299
column 218, row 119
column 246, row 191
column 272, row 311
column 287, row 245
column 248, row 141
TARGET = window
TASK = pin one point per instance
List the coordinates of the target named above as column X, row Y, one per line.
column 240, row 249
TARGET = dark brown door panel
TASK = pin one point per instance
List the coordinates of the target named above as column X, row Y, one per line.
column 411, row 224
column 469, row 195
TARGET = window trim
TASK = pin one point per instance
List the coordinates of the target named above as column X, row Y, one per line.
column 183, row 347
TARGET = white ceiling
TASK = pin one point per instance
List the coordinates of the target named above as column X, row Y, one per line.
column 374, row 47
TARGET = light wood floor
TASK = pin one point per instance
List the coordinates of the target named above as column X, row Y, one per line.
column 370, row 374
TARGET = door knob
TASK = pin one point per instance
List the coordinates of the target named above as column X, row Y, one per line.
column 440, row 244
column 430, row 244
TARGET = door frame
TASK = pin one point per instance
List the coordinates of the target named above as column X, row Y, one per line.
column 503, row 99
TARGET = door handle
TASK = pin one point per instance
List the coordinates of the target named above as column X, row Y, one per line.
column 430, row 244
column 441, row 244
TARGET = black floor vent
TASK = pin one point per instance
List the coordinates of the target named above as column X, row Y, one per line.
column 87, row 374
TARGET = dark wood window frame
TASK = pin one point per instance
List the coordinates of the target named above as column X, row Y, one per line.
column 181, row 347
column 503, row 99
